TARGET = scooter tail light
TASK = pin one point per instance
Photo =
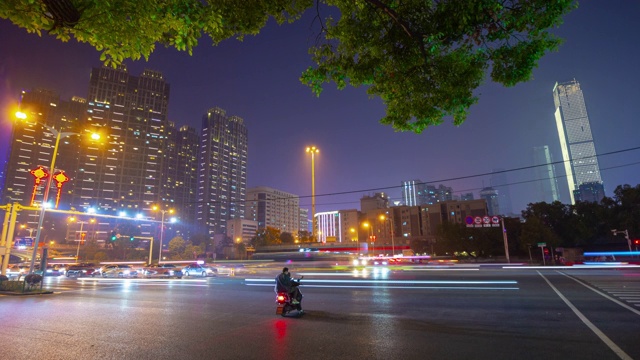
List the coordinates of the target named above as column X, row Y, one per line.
column 281, row 298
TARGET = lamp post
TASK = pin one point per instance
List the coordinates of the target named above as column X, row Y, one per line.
column 393, row 244
column 626, row 236
column 371, row 238
column 72, row 219
column 313, row 151
column 163, row 211
column 59, row 135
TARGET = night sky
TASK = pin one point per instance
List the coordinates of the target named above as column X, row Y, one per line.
column 258, row 80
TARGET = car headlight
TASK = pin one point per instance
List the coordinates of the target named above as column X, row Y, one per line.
column 126, row 272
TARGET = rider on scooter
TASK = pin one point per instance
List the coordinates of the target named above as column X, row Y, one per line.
column 284, row 284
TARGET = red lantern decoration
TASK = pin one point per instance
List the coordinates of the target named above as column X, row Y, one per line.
column 39, row 174
column 60, row 178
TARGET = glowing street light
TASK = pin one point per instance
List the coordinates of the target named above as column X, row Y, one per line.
column 393, row 245
column 172, row 220
column 313, row 151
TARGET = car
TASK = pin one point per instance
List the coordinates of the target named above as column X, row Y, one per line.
column 82, row 269
column 118, row 270
column 17, row 271
column 196, row 269
column 162, row 270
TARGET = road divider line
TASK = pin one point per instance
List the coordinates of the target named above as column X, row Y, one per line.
column 615, row 348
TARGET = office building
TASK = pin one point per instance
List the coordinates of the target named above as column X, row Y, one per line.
column 589, row 192
column 500, row 182
column 374, row 202
column 490, row 195
column 241, row 230
column 576, row 140
column 274, row 208
column 222, row 171
column 546, row 183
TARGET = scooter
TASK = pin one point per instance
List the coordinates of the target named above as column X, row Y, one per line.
column 284, row 301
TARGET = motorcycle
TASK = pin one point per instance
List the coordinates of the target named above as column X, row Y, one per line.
column 285, row 302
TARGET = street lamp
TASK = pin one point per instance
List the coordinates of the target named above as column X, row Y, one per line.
column 59, row 135
column 30, row 230
column 313, row 151
column 371, row 237
column 393, row 244
column 626, row 236
column 170, row 211
column 73, row 219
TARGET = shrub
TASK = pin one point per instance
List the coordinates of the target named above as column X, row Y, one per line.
column 33, row 279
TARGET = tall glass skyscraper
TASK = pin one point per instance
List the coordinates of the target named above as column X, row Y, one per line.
column 545, row 175
column 576, row 141
column 222, row 171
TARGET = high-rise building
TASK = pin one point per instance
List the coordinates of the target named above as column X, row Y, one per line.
column 500, row 182
column 576, row 140
column 124, row 174
column 222, row 171
column 491, row 195
column 32, row 146
column 304, row 220
column 273, row 208
column 414, row 192
column 589, row 192
column 546, row 184
column 181, row 174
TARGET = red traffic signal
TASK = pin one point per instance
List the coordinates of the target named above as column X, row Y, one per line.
column 636, row 242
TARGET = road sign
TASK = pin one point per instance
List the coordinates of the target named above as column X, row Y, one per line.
column 477, row 220
column 469, row 220
column 486, row 220
column 495, row 220
column 542, row 244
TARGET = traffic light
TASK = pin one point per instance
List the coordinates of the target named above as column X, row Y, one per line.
column 82, row 237
column 113, row 236
column 131, row 238
column 636, row 242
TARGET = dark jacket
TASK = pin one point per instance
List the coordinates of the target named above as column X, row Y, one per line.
column 283, row 282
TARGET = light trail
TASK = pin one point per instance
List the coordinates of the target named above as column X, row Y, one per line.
column 399, row 282
column 403, row 287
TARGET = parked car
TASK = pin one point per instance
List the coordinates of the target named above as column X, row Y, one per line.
column 82, row 269
column 162, row 270
column 118, row 270
column 199, row 270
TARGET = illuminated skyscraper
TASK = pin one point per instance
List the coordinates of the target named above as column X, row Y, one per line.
column 576, row 141
column 32, row 146
column 222, row 174
column 180, row 174
column 124, row 173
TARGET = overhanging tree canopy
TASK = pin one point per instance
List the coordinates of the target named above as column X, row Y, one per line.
column 423, row 58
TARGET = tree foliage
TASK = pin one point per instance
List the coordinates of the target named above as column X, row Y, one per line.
column 585, row 223
column 423, row 58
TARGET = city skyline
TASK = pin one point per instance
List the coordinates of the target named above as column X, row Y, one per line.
column 258, row 80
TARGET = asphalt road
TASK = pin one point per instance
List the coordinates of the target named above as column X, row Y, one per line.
column 421, row 313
